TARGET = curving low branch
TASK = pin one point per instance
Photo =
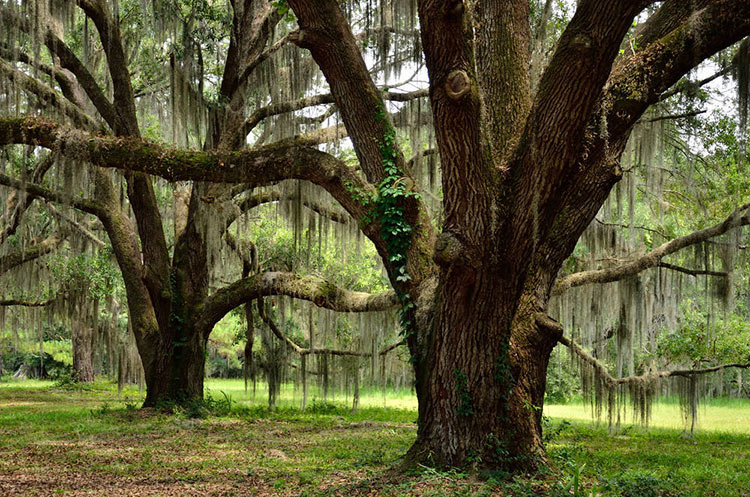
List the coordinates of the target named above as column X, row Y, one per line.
column 317, row 290
column 44, row 247
column 740, row 217
column 257, row 167
column 303, row 351
column 16, row 204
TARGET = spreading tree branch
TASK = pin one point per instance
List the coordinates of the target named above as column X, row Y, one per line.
column 306, row 351
column 317, row 290
column 47, row 96
column 740, row 217
column 86, row 205
column 691, row 272
column 258, row 167
column 612, row 381
column 32, row 252
column 15, row 206
column 26, row 303
column 283, row 107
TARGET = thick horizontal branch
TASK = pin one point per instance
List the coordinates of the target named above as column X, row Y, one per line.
column 691, row 272
column 25, row 303
column 611, row 381
column 257, row 167
column 740, row 217
column 317, row 290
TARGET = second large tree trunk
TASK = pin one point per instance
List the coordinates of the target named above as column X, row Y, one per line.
column 176, row 371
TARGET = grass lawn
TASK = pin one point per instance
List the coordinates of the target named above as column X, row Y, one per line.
column 67, row 442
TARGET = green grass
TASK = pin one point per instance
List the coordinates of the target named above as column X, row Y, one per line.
column 96, row 442
column 719, row 415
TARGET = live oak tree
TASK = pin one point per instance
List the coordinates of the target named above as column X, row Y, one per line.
column 529, row 143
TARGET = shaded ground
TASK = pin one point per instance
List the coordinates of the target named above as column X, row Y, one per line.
column 55, row 442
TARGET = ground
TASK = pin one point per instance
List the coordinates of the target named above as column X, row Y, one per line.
column 61, row 441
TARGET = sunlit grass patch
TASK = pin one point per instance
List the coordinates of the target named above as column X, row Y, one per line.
column 97, row 442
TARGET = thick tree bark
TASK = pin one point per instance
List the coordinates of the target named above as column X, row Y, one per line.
column 481, row 380
column 176, row 368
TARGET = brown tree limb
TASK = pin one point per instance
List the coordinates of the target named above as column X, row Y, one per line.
column 612, row 381
column 26, row 303
column 636, row 82
column 109, row 33
column 258, row 167
column 283, row 107
column 740, row 217
column 568, row 96
column 16, row 206
column 32, row 252
column 308, row 351
column 69, row 61
column 317, row 290
column 86, row 205
column 676, row 116
column 47, row 96
column 78, row 226
column 691, row 272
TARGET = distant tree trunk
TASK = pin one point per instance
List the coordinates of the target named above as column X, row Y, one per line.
column 83, row 352
column 355, row 396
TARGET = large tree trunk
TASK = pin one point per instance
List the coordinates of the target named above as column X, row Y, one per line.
column 175, row 373
column 481, row 381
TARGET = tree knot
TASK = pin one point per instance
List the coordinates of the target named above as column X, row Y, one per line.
column 448, row 249
column 457, row 84
column 581, row 42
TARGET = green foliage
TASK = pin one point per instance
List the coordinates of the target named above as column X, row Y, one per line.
column 639, row 483
column 389, row 212
column 729, row 340
column 38, row 365
column 282, row 8
column 95, row 274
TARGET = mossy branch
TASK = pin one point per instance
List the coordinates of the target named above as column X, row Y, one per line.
column 740, row 217
column 311, row 288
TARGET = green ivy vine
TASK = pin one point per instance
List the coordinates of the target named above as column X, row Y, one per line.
column 462, row 389
column 386, row 208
